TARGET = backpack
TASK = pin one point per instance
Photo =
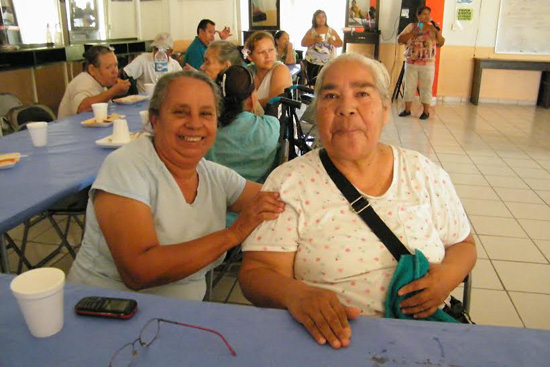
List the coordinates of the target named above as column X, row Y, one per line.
column 18, row 117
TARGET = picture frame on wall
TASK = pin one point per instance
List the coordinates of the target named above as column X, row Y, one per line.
column 264, row 14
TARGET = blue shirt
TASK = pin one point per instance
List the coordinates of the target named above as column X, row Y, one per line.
column 194, row 55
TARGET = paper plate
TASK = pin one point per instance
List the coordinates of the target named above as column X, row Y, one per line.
column 107, row 142
column 130, row 99
column 108, row 122
column 9, row 160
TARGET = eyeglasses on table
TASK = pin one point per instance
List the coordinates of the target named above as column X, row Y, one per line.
column 124, row 356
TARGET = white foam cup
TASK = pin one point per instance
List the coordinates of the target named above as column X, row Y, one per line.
column 149, row 88
column 121, row 134
column 39, row 293
column 39, row 133
column 100, row 111
column 144, row 119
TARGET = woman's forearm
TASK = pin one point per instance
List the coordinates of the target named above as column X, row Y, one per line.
column 459, row 261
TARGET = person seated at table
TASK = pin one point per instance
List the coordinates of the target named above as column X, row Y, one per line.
column 318, row 259
column 156, row 216
column 142, row 68
column 285, row 50
column 245, row 142
column 271, row 77
column 194, row 55
column 98, row 82
column 219, row 56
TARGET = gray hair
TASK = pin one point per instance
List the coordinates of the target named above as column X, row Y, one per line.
column 161, row 89
column 226, row 51
column 378, row 70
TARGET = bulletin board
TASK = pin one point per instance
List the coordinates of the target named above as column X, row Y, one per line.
column 523, row 27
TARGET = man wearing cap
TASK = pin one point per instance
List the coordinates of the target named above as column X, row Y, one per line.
column 142, row 68
column 194, row 55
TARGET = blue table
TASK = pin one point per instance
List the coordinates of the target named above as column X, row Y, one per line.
column 68, row 164
column 261, row 337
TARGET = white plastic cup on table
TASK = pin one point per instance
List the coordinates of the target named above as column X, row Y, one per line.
column 39, row 133
column 121, row 134
column 39, row 293
column 149, row 88
column 100, row 111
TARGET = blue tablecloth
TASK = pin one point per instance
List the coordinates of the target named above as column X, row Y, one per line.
column 68, row 164
column 261, row 337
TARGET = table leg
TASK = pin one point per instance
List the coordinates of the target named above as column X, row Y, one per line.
column 476, row 82
column 4, row 254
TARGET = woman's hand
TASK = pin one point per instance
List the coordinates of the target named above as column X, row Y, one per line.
column 322, row 314
column 264, row 206
column 432, row 291
column 318, row 39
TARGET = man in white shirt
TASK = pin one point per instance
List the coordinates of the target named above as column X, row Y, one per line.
column 98, row 82
column 142, row 68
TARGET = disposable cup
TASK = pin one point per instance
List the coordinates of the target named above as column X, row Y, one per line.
column 121, row 134
column 144, row 118
column 149, row 88
column 39, row 133
column 39, row 293
column 100, row 111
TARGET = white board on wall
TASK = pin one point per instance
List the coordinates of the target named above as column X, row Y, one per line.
column 523, row 27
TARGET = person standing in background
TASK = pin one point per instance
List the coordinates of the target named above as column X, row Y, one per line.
column 420, row 40
column 321, row 42
column 194, row 55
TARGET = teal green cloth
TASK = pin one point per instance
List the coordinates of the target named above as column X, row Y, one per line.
column 409, row 268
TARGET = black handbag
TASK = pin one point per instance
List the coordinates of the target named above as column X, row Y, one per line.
column 362, row 207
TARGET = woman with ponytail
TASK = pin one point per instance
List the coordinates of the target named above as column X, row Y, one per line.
column 245, row 142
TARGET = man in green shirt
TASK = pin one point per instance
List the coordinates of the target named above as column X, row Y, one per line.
column 194, row 55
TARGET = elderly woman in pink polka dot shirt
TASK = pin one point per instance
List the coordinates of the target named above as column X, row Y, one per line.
column 319, row 259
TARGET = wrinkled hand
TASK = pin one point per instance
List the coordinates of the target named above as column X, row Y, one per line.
column 264, row 206
column 225, row 33
column 432, row 292
column 322, row 314
column 121, row 87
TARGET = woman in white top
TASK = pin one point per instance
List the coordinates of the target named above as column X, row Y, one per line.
column 321, row 42
column 271, row 77
column 156, row 216
column 318, row 259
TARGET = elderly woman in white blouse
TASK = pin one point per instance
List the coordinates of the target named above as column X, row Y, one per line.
column 318, row 259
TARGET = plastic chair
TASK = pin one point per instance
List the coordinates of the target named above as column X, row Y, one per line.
column 7, row 102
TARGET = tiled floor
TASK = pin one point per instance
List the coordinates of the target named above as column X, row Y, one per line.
column 499, row 159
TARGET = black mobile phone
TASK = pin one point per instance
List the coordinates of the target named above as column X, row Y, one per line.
column 117, row 308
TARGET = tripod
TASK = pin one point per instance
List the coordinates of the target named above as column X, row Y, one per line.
column 398, row 86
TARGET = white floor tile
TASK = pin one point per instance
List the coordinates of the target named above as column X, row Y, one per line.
column 508, row 182
column 521, row 163
column 476, row 192
column 468, row 168
column 545, row 195
column 544, row 246
column 492, row 307
column 529, row 211
column 467, row 179
column 513, row 249
column 484, row 276
column 237, row 296
column 491, row 170
column 454, row 158
column 518, row 195
column 536, row 173
column 536, row 229
column 481, row 253
column 533, row 309
column 537, row 184
column 484, row 160
column 524, row 277
column 496, row 226
column 491, row 208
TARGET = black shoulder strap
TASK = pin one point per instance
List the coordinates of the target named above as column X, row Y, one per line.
column 362, row 207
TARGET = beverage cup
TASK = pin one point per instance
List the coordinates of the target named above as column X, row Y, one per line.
column 39, row 133
column 39, row 293
column 149, row 88
column 144, row 119
column 121, row 134
column 100, row 111
column 323, row 37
